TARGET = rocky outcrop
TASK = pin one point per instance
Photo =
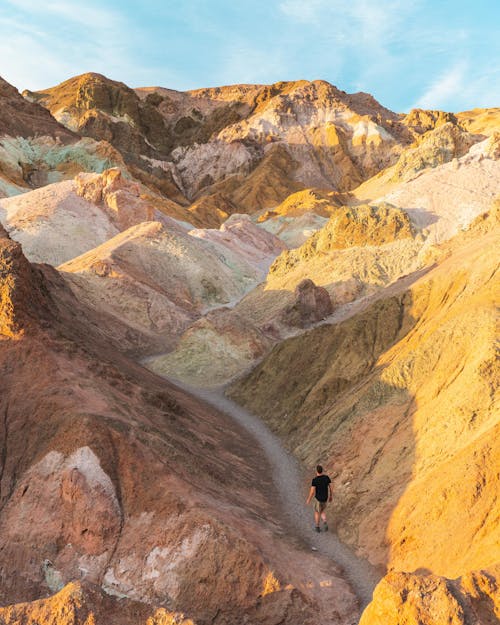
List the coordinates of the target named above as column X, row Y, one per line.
column 22, row 298
column 35, row 149
column 27, row 119
column 267, row 185
column 82, row 603
column 421, row 121
column 348, row 227
column 420, row 599
column 440, row 145
column 312, row 303
column 359, row 247
column 95, row 106
column 362, row 225
column 120, row 198
column 318, row 201
column 480, row 121
column 300, row 215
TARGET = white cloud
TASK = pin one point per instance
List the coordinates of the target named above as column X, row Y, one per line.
column 47, row 42
column 355, row 20
column 21, row 71
column 445, row 88
column 462, row 86
column 357, row 29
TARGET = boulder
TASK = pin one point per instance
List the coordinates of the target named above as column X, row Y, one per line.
column 312, row 304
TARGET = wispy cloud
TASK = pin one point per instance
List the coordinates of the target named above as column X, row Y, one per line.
column 356, row 21
column 401, row 51
column 445, row 88
column 362, row 33
column 463, row 83
column 20, row 71
column 51, row 41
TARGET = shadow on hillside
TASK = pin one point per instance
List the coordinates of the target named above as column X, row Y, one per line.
column 328, row 394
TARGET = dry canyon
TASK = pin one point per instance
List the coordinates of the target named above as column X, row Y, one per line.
column 205, row 293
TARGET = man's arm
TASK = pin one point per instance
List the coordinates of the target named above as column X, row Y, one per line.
column 312, row 490
column 330, row 492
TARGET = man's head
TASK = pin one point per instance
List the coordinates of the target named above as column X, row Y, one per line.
column 319, row 469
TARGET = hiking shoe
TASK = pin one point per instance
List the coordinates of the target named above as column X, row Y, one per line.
column 317, row 528
column 325, row 527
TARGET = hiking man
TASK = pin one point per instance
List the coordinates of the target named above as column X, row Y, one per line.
column 322, row 491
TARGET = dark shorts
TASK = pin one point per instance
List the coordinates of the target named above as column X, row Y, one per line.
column 319, row 506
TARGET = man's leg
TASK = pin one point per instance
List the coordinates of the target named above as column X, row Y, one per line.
column 316, row 517
column 323, row 518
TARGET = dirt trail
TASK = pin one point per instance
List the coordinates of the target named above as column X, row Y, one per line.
column 290, row 480
column 289, row 477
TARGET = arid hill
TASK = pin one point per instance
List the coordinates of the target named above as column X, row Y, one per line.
column 250, row 145
column 399, row 402
column 125, row 477
column 35, row 149
column 328, row 262
column 23, row 118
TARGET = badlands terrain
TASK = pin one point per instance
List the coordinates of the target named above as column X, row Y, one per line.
column 203, row 294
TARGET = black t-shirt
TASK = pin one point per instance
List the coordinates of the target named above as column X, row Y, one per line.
column 320, row 482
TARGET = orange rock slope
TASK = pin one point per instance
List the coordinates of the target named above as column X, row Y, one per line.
column 112, row 477
column 399, row 403
column 115, row 495
column 253, row 144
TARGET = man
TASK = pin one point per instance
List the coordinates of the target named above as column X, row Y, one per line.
column 322, row 491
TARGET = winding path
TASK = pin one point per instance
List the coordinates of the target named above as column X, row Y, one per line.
column 287, row 473
column 288, row 478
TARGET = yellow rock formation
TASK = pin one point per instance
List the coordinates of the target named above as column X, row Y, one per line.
column 399, row 401
column 407, row 598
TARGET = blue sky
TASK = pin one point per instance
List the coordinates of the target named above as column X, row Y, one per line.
column 433, row 54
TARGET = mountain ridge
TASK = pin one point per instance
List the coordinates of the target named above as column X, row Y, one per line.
column 332, row 265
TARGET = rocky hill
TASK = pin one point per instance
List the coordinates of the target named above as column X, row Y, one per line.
column 399, row 401
column 23, row 118
column 253, row 144
column 35, row 149
column 333, row 264
column 123, row 475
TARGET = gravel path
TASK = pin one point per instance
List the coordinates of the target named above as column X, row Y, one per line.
column 289, row 479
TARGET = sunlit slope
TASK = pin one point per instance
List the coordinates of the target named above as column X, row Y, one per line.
column 398, row 403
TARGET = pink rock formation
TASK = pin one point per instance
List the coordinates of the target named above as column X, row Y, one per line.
column 120, row 198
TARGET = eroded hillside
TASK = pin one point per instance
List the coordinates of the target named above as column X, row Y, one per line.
column 123, row 475
column 337, row 260
column 399, row 402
